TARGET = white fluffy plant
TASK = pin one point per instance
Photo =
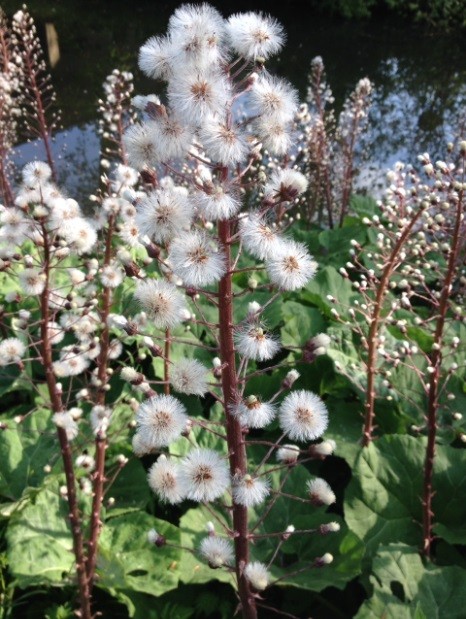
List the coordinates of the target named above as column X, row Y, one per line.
column 60, row 269
column 196, row 152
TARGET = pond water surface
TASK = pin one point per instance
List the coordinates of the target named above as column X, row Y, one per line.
column 419, row 77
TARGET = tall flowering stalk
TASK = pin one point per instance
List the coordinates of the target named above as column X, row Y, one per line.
column 196, row 228
column 35, row 95
column 116, row 113
column 329, row 148
column 203, row 271
column 8, row 107
column 450, row 228
column 420, row 242
column 69, row 264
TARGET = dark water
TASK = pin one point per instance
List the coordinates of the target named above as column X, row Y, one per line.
column 419, row 101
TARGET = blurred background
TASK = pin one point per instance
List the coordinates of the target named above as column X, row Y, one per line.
column 414, row 53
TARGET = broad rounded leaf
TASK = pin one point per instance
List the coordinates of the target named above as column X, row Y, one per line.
column 127, row 561
column 40, row 548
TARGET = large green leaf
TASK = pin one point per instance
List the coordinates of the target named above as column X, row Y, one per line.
column 127, row 561
column 384, row 497
column 387, row 606
column 300, row 323
column 130, row 489
column 39, row 541
column 364, row 206
column 24, row 451
column 328, row 282
column 337, row 242
column 193, row 569
column 449, row 504
column 344, row 350
column 298, row 553
column 404, row 587
column 345, row 427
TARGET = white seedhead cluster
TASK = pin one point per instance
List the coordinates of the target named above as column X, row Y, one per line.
column 190, row 245
column 212, row 220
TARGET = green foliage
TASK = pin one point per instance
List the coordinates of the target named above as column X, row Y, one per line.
column 126, row 560
column 299, row 551
column 130, row 490
column 193, row 570
column 405, row 587
column 25, row 448
column 383, row 499
column 301, row 322
column 328, row 283
column 442, row 14
column 40, row 548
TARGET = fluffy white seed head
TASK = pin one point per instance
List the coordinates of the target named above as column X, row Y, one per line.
column 32, row 281
column 36, row 173
column 70, row 364
column 258, row 238
column 254, row 35
column 204, row 475
column 189, row 376
column 256, row 344
column 217, row 551
column 274, row 134
column 161, row 420
column 162, row 301
column 80, row 234
column 155, row 57
column 216, row 204
column 112, row 275
column 86, row 462
column 258, row 575
column 288, row 454
column 196, row 95
column 66, row 422
column 250, row 491
column 163, row 480
column 291, row 267
column 320, row 492
column 141, row 145
column 223, row 143
column 303, row 416
column 163, row 213
column 196, row 259
column 253, row 413
column 326, row 448
column 100, row 419
column 173, row 136
column 141, row 446
column 274, row 98
column 11, row 351
column 285, row 185
column 330, row 527
column 197, row 32
column 325, row 559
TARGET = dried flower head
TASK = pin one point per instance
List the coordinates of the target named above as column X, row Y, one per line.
column 161, row 420
column 303, row 416
column 204, row 475
column 217, row 551
column 163, row 480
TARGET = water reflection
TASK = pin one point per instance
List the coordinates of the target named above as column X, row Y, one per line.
column 419, row 100
column 76, row 152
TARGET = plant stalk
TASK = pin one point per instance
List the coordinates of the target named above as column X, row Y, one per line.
column 236, row 445
column 374, row 330
column 98, row 477
column 433, row 389
column 57, row 407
